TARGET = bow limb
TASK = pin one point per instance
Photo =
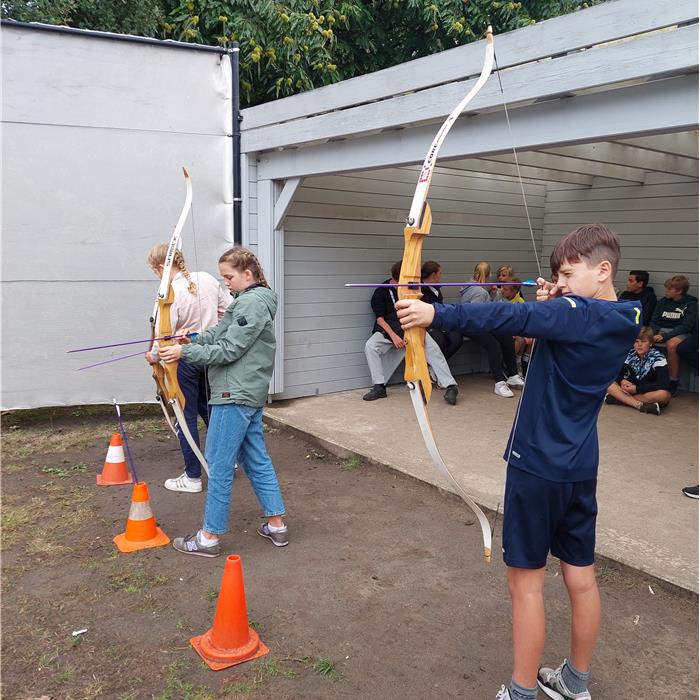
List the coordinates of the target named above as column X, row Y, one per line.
column 165, row 374
column 417, row 228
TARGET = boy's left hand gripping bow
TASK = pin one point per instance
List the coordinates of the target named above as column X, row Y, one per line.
column 165, row 374
column 417, row 228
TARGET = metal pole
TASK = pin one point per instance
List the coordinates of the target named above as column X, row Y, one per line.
column 236, row 137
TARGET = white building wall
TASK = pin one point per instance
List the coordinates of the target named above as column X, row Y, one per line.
column 349, row 228
column 95, row 135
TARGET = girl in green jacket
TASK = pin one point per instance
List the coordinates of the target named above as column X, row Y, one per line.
column 239, row 353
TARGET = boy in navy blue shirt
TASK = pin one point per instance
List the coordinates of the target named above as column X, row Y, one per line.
column 582, row 336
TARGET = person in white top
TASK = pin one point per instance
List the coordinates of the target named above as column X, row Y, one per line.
column 199, row 304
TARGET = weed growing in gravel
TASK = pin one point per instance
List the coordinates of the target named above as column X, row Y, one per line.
column 352, row 463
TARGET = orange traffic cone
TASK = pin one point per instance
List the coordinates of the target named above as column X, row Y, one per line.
column 230, row 641
column 115, row 470
column 141, row 529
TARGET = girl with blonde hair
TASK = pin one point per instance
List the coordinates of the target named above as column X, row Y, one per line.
column 499, row 348
column 199, row 304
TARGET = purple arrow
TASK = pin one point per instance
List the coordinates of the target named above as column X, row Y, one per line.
column 526, row 283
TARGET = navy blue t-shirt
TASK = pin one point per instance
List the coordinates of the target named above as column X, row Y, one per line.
column 581, row 344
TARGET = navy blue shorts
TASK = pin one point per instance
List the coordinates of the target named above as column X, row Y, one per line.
column 540, row 516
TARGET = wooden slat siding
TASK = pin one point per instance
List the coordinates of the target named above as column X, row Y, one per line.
column 653, row 55
column 657, row 224
column 343, row 228
column 596, row 25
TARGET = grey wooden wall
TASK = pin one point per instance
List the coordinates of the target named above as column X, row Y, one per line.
column 657, row 222
column 348, row 228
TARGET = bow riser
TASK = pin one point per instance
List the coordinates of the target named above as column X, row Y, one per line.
column 416, row 365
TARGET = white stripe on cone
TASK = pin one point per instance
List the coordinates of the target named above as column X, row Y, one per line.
column 140, row 510
column 115, row 454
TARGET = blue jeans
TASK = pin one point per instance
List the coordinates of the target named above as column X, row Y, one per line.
column 195, row 388
column 236, row 435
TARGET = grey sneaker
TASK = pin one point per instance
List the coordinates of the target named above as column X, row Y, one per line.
column 503, row 694
column 279, row 539
column 553, row 685
column 190, row 545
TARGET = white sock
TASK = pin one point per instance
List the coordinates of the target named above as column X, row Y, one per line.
column 192, row 479
column 206, row 541
column 272, row 528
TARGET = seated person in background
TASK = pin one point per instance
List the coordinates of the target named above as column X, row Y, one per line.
column 503, row 274
column 511, row 292
column 672, row 320
column 448, row 341
column 643, row 380
column 522, row 345
column 387, row 339
column 638, row 289
column 499, row 348
column 688, row 348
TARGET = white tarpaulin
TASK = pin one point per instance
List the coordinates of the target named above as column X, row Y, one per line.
column 95, row 135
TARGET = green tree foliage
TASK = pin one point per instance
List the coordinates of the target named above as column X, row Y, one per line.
column 288, row 47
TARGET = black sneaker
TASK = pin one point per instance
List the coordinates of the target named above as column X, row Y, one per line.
column 691, row 491
column 451, row 394
column 279, row 539
column 611, row 400
column 652, row 408
column 378, row 391
column 190, row 545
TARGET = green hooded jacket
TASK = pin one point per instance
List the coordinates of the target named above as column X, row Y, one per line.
column 240, row 350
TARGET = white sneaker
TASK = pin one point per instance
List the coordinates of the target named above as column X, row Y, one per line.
column 184, row 483
column 503, row 694
column 501, row 389
column 516, row 380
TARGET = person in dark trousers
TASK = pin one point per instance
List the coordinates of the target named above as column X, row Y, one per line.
column 387, row 340
column 500, row 347
column 673, row 320
column 451, row 341
column 643, row 380
column 638, row 289
column 582, row 335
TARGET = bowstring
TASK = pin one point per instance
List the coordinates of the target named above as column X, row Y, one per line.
column 207, row 390
column 509, row 451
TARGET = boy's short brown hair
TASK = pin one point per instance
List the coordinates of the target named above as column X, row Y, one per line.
column 396, row 270
column 679, row 282
column 592, row 243
column 646, row 333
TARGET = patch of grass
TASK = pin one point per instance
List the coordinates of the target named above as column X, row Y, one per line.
column 262, row 671
column 62, row 472
column 16, row 517
column 326, row 668
column 212, row 594
column 11, row 467
column 135, row 581
column 608, row 575
column 179, row 689
column 65, row 675
column 323, row 666
column 41, row 544
column 352, row 463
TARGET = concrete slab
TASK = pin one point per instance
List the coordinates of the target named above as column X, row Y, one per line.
column 644, row 520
